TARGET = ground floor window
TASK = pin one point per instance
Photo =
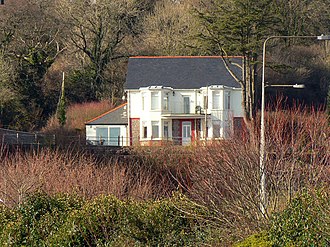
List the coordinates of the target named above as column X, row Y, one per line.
column 216, row 129
column 144, row 129
column 155, row 129
column 166, row 131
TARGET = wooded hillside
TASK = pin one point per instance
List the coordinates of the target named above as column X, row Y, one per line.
column 91, row 41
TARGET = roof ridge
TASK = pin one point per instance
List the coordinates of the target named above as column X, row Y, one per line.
column 112, row 110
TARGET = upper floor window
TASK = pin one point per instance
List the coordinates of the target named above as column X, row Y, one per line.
column 144, row 101
column 186, row 104
column 166, row 99
column 154, row 101
column 227, row 100
column 216, row 100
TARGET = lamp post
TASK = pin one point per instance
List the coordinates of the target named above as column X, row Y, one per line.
column 263, row 197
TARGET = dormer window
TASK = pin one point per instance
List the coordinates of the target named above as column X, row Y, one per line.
column 154, row 100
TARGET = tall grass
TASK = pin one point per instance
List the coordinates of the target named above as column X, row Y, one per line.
column 222, row 176
column 57, row 172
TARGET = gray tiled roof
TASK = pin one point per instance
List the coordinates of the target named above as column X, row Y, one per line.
column 180, row 72
column 116, row 116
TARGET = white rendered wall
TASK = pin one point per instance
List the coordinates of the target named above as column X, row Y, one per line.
column 91, row 132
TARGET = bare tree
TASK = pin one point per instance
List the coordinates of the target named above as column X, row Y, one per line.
column 170, row 29
column 101, row 30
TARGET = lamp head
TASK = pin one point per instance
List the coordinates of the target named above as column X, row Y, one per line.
column 323, row 37
column 298, row 86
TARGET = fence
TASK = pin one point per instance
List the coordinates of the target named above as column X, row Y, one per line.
column 12, row 137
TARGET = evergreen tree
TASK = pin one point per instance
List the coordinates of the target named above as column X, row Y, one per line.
column 238, row 27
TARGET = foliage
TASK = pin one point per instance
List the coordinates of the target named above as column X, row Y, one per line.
column 79, row 85
column 302, row 222
column 255, row 240
column 302, row 17
column 237, row 27
column 91, row 41
column 104, row 221
column 37, row 218
column 31, row 35
column 99, row 30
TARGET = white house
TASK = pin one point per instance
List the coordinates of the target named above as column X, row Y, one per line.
column 109, row 129
column 182, row 99
column 173, row 99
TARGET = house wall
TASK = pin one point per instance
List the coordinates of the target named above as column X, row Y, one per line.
column 141, row 108
column 93, row 139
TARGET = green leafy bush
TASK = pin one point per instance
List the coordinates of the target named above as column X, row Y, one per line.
column 255, row 240
column 104, row 221
column 35, row 220
column 302, row 223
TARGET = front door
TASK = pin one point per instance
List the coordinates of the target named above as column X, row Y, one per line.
column 186, row 133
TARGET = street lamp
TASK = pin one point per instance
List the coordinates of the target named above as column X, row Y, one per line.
column 263, row 199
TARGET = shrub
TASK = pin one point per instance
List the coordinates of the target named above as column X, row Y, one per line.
column 302, row 223
column 107, row 220
column 255, row 240
column 37, row 218
column 103, row 221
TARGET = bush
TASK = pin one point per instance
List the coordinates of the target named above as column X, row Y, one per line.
column 107, row 220
column 35, row 220
column 302, row 223
column 103, row 221
column 255, row 240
